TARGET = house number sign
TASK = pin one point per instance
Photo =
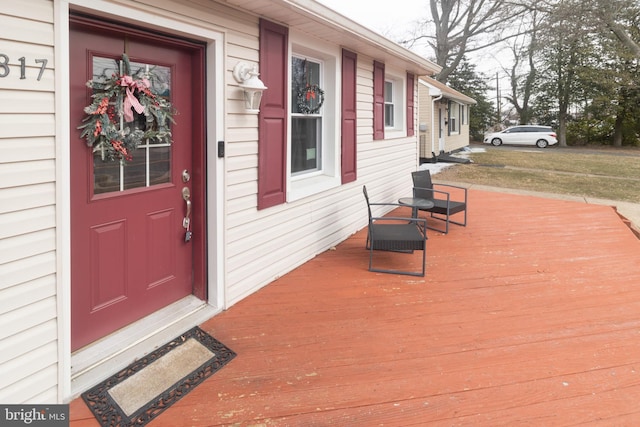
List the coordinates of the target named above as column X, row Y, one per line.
column 4, row 66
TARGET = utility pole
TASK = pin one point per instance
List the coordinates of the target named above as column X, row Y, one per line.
column 499, row 113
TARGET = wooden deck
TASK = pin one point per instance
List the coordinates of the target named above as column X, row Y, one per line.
column 528, row 316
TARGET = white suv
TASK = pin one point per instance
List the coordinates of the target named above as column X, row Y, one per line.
column 541, row 136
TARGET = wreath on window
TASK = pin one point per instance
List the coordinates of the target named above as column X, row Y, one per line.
column 305, row 99
column 115, row 100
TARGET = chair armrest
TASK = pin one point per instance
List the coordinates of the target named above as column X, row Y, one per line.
column 450, row 185
column 399, row 218
column 434, row 192
column 420, row 223
column 454, row 186
column 386, row 204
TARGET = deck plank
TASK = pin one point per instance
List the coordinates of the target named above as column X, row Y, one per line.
column 527, row 316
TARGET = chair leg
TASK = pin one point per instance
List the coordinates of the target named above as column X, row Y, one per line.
column 445, row 219
column 371, row 258
column 448, row 221
column 409, row 273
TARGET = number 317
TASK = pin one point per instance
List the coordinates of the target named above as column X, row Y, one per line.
column 4, row 66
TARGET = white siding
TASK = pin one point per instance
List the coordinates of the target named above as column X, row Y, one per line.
column 262, row 245
column 425, row 107
column 28, row 341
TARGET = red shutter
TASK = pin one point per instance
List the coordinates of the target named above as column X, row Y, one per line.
column 349, row 116
column 378, row 100
column 411, row 120
column 272, row 119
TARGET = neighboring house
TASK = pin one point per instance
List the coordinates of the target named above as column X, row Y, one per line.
column 95, row 265
column 443, row 118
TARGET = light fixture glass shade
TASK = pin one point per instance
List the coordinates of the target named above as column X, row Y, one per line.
column 251, row 85
column 252, row 98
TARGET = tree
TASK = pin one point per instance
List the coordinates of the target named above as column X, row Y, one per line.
column 458, row 27
column 586, row 62
column 616, row 17
column 523, row 73
column 622, row 19
column 618, row 97
column 573, row 60
column 465, row 79
column 598, row 15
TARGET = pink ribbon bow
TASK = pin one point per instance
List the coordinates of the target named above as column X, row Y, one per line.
column 130, row 101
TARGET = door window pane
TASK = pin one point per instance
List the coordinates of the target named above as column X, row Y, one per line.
column 151, row 161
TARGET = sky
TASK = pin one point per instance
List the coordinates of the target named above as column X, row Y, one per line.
column 390, row 21
column 390, row 18
column 380, row 15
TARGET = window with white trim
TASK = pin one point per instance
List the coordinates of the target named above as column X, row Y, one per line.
column 394, row 104
column 307, row 98
column 314, row 145
column 389, row 118
column 454, row 125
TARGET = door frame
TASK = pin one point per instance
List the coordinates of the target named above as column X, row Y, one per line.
column 213, row 173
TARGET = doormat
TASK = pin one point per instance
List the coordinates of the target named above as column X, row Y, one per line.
column 143, row 390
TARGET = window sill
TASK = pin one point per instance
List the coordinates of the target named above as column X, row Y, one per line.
column 391, row 133
column 302, row 187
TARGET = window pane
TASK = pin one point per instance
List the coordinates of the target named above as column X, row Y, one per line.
column 159, row 165
column 106, row 175
column 388, row 115
column 305, row 75
column 388, row 92
column 135, row 171
column 305, row 143
column 388, row 105
column 453, row 116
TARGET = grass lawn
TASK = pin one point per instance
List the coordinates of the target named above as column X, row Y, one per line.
column 604, row 174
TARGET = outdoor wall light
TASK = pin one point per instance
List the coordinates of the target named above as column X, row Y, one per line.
column 252, row 86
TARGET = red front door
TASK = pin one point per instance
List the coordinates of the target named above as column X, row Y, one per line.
column 129, row 256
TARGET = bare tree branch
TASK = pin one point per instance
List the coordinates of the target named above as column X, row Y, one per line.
column 464, row 26
column 623, row 37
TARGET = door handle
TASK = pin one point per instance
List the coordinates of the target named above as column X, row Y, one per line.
column 186, row 195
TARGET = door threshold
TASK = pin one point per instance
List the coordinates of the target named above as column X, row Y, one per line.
column 98, row 361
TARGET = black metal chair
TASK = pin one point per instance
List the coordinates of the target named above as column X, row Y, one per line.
column 443, row 206
column 398, row 234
